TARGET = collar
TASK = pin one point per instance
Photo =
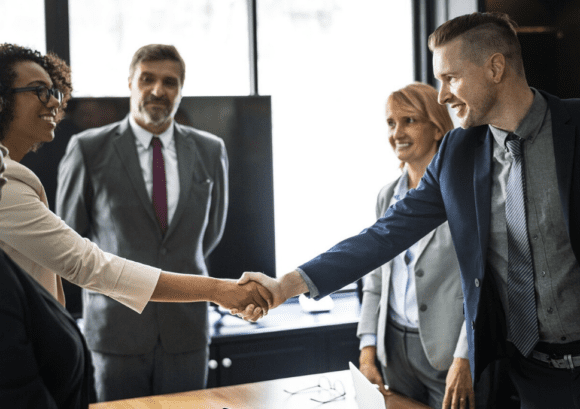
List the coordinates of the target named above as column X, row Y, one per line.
column 531, row 124
column 144, row 137
column 402, row 186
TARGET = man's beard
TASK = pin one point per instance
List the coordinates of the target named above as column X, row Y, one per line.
column 156, row 116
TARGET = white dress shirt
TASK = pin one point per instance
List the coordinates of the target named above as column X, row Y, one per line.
column 145, row 153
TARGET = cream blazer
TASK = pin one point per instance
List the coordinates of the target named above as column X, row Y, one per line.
column 47, row 249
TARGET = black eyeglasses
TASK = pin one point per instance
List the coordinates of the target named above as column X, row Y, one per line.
column 44, row 93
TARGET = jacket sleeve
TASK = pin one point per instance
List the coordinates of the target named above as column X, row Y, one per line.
column 219, row 203
column 407, row 221
column 43, row 245
column 373, row 282
column 368, row 323
column 74, row 192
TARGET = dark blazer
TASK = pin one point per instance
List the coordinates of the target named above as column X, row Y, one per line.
column 102, row 195
column 457, row 187
column 44, row 361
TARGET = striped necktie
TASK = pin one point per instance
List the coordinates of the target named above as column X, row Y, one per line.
column 522, row 316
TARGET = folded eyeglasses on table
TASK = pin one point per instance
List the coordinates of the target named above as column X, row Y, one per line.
column 332, row 390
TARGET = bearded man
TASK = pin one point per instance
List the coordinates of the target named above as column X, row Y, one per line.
column 154, row 191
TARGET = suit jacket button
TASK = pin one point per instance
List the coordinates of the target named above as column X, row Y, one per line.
column 163, row 251
column 477, row 282
column 419, row 273
column 423, row 307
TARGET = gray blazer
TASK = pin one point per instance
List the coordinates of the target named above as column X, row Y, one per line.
column 101, row 194
column 439, row 296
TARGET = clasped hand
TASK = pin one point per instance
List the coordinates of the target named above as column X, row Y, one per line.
column 252, row 312
column 249, row 296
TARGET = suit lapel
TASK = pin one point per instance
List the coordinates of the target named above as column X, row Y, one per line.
column 423, row 243
column 482, row 186
column 127, row 151
column 563, row 136
column 187, row 162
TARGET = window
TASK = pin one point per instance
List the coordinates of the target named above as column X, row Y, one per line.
column 211, row 36
column 23, row 24
column 329, row 66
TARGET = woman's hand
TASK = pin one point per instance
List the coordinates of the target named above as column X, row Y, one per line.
column 252, row 296
column 289, row 285
column 458, row 386
column 369, row 368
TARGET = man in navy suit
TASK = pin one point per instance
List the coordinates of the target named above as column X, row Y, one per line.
column 477, row 59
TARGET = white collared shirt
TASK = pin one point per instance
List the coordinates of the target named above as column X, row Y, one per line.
column 145, row 153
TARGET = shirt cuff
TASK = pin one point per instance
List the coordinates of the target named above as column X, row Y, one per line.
column 312, row 289
column 135, row 285
column 368, row 340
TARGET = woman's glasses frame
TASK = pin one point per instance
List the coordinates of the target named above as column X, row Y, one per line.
column 42, row 92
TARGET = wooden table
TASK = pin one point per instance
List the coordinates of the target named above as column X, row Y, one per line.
column 259, row 395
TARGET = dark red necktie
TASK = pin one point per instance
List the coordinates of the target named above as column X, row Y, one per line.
column 159, row 184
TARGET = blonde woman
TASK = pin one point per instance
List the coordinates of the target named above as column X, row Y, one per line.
column 412, row 317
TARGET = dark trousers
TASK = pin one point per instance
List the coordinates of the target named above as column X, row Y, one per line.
column 156, row 373
column 540, row 386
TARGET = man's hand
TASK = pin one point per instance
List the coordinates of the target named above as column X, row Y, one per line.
column 369, row 368
column 273, row 285
column 252, row 296
column 458, row 386
column 287, row 286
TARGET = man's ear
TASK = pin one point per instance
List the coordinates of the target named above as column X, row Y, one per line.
column 497, row 65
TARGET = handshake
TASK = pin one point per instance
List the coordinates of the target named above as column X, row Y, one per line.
column 254, row 294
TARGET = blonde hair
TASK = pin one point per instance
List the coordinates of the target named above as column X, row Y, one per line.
column 422, row 98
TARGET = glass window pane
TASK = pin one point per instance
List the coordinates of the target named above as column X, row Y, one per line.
column 211, row 36
column 23, row 23
column 329, row 66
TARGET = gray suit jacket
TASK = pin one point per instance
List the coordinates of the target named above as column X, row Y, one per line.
column 441, row 324
column 101, row 194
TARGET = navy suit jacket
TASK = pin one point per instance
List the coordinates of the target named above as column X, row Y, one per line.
column 457, row 187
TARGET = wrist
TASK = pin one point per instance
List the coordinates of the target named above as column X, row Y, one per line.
column 219, row 289
column 368, row 355
column 292, row 284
